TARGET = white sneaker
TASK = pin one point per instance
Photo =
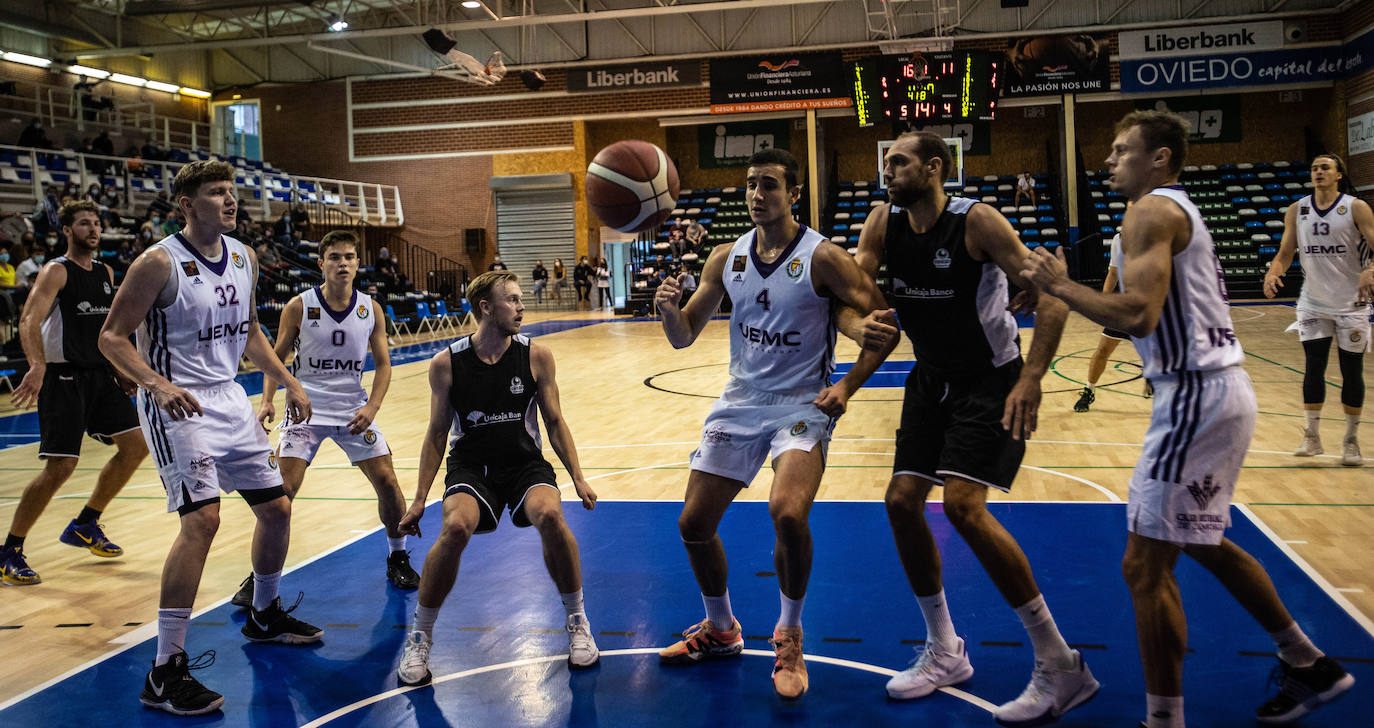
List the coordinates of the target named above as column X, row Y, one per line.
column 1050, row 694
column 1350, row 452
column 1311, row 445
column 582, row 652
column 930, row 670
column 414, row 667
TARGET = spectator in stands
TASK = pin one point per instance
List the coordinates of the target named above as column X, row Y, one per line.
column 677, row 238
column 150, row 151
column 93, row 193
column 268, row 259
column 45, row 217
column 689, row 284
column 300, row 221
column 282, row 231
column 173, row 223
column 696, row 235
column 582, row 279
column 7, row 272
column 160, row 205
column 540, row 276
column 33, row 136
column 103, row 144
column 149, row 232
column 134, row 161
column 110, row 197
column 603, row 283
column 389, row 270
column 28, row 270
column 1025, row 187
column 560, row 279
column 496, row 264
column 85, row 99
column 125, row 253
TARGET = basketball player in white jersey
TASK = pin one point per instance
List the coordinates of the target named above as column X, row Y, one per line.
column 330, row 328
column 781, row 278
column 1107, row 343
column 191, row 300
column 1174, row 306
column 969, row 404
column 1332, row 233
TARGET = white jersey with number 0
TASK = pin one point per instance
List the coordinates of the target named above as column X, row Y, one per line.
column 781, row 336
column 331, row 351
column 1332, row 252
column 1195, row 332
column 198, row 339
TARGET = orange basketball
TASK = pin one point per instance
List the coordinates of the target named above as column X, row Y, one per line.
column 632, row 186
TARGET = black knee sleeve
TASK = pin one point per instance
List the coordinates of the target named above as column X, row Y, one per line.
column 1317, row 352
column 1352, row 378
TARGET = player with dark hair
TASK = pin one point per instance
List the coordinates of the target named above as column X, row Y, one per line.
column 782, row 279
column 76, row 389
column 971, row 402
column 1331, row 232
column 484, row 389
column 191, row 299
column 1174, row 306
column 331, row 328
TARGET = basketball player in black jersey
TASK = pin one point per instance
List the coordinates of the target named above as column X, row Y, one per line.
column 483, row 391
column 970, row 404
column 76, row 390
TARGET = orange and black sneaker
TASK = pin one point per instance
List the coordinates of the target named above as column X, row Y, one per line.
column 789, row 671
column 702, row 641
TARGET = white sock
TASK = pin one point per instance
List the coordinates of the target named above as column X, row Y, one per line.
column 1092, row 386
column 171, row 632
column 424, row 619
column 718, row 610
column 396, row 544
column 1313, row 420
column 264, row 590
column 1352, row 425
column 1163, row 711
column 1294, row 646
column 572, row 603
column 939, row 627
column 790, row 616
column 1049, row 644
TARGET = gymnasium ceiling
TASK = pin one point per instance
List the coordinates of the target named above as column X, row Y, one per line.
column 237, row 42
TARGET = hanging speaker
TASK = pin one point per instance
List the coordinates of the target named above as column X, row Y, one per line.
column 475, row 240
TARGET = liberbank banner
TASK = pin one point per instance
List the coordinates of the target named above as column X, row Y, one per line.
column 1247, row 68
column 784, row 82
column 634, row 76
column 1191, row 40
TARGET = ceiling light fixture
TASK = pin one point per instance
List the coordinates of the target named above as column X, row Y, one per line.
column 194, row 92
column 339, row 24
column 130, row 80
column 88, row 71
column 170, row 88
column 471, row 4
column 26, row 59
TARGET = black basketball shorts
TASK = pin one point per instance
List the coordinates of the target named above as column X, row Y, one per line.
column 499, row 488
column 76, row 401
column 953, row 427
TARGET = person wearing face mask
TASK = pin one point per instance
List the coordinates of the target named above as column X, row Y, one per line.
column 28, row 270
column 281, row 229
column 6, row 269
column 582, row 279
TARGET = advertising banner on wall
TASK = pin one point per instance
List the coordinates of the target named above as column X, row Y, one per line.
column 634, row 76
column 1266, row 35
column 1212, row 118
column 1261, row 68
column 1057, row 64
column 731, row 145
column 1360, row 133
column 782, row 82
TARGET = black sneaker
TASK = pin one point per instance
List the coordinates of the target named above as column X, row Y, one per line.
column 1085, row 400
column 170, row 687
column 399, row 572
column 275, row 624
column 244, row 596
column 1303, row 690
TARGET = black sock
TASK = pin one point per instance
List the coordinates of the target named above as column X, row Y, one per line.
column 13, row 541
column 88, row 515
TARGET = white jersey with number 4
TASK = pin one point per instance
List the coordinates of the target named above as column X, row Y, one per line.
column 1195, row 332
column 198, row 339
column 331, row 351
column 1332, row 252
column 781, row 337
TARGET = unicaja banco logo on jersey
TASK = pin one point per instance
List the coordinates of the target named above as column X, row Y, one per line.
column 795, row 268
column 942, row 259
column 516, row 386
column 477, row 418
column 238, row 259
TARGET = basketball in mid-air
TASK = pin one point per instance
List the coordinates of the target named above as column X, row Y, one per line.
column 632, row 186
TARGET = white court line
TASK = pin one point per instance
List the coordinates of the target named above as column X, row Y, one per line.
column 1110, row 495
column 379, row 697
column 1349, row 590
column 1312, row 574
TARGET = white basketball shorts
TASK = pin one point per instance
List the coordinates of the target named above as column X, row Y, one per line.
column 745, row 426
column 1351, row 330
column 302, row 440
column 1200, row 428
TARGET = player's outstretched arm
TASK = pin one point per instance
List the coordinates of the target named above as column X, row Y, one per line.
column 381, row 374
column 41, row 298
column 868, row 328
column 288, row 328
column 144, row 284
column 683, row 324
column 837, row 275
column 1364, row 220
column 432, row 446
column 260, row 353
column 560, row 437
column 1288, row 247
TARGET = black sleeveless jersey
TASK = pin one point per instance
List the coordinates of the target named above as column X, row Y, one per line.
column 494, row 422
column 71, row 332
column 952, row 307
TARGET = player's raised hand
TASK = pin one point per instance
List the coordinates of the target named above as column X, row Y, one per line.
column 669, row 293
column 175, row 401
column 410, row 522
column 1272, row 284
column 585, row 492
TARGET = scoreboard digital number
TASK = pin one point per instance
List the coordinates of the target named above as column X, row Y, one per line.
column 940, row 86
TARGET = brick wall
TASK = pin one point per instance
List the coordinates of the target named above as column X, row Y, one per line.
column 1358, row 93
